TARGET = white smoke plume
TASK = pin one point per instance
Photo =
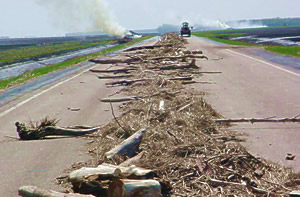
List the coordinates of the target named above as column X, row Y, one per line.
column 82, row 16
column 245, row 24
column 214, row 24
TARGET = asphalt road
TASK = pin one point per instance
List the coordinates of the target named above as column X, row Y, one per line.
column 247, row 88
column 252, row 87
column 40, row 162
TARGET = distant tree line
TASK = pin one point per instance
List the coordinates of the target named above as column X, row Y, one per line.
column 165, row 28
column 273, row 22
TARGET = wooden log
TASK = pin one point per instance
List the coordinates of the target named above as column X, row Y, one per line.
column 197, row 52
column 114, row 76
column 206, row 72
column 32, row 191
column 104, row 172
column 181, row 79
column 129, row 147
column 148, row 47
column 178, row 67
column 122, row 70
column 294, row 194
column 255, row 120
column 115, row 61
column 192, row 65
column 134, row 188
column 39, row 133
column 126, row 82
column 116, row 100
column 192, row 82
column 179, row 57
column 131, row 171
column 107, row 172
column 68, row 132
column 132, row 160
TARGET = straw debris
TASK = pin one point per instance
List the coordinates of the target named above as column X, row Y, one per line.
column 183, row 145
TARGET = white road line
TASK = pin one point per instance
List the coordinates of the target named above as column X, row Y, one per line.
column 39, row 94
column 261, row 61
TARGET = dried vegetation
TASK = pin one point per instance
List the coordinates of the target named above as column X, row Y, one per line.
column 188, row 151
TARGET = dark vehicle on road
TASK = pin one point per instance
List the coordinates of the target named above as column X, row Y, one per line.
column 185, row 29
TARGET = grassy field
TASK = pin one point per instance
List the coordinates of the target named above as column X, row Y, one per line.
column 224, row 36
column 12, row 55
column 284, row 50
column 6, row 83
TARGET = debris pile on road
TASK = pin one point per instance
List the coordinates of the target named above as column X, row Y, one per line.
column 166, row 142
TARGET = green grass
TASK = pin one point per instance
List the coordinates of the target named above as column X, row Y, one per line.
column 218, row 36
column 12, row 55
column 223, row 36
column 285, row 50
column 6, row 83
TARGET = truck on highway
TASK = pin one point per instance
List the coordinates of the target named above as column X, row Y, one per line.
column 185, row 29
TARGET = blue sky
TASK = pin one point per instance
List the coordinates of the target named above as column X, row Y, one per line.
column 20, row 18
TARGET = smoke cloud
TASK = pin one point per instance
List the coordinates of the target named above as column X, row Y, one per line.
column 245, row 24
column 213, row 24
column 82, row 16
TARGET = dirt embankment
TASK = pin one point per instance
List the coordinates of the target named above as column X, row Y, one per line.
column 183, row 145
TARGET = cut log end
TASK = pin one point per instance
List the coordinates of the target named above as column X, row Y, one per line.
column 33, row 191
column 134, row 188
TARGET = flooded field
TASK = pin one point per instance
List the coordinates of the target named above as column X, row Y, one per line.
column 286, row 36
column 20, row 68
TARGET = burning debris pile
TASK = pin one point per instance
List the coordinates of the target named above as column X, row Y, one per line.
column 166, row 142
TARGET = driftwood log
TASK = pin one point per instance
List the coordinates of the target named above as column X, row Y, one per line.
column 121, row 70
column 132, row 171
column 130, row 82
column 117, row 100
column 133, row 160
column 206, row 72
column 129, row 147
column 115, row 61
column 104, row 172
column 148, row 47
column 192, row 65
column 181, row 79
column 39, row 133
column 108, row 172
column 114, row 76
column 192, row 82
column 197, row 52
column 134, row 188
column 179, row 57
column 126, row 82
column 32, row 191
column 255, row 120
